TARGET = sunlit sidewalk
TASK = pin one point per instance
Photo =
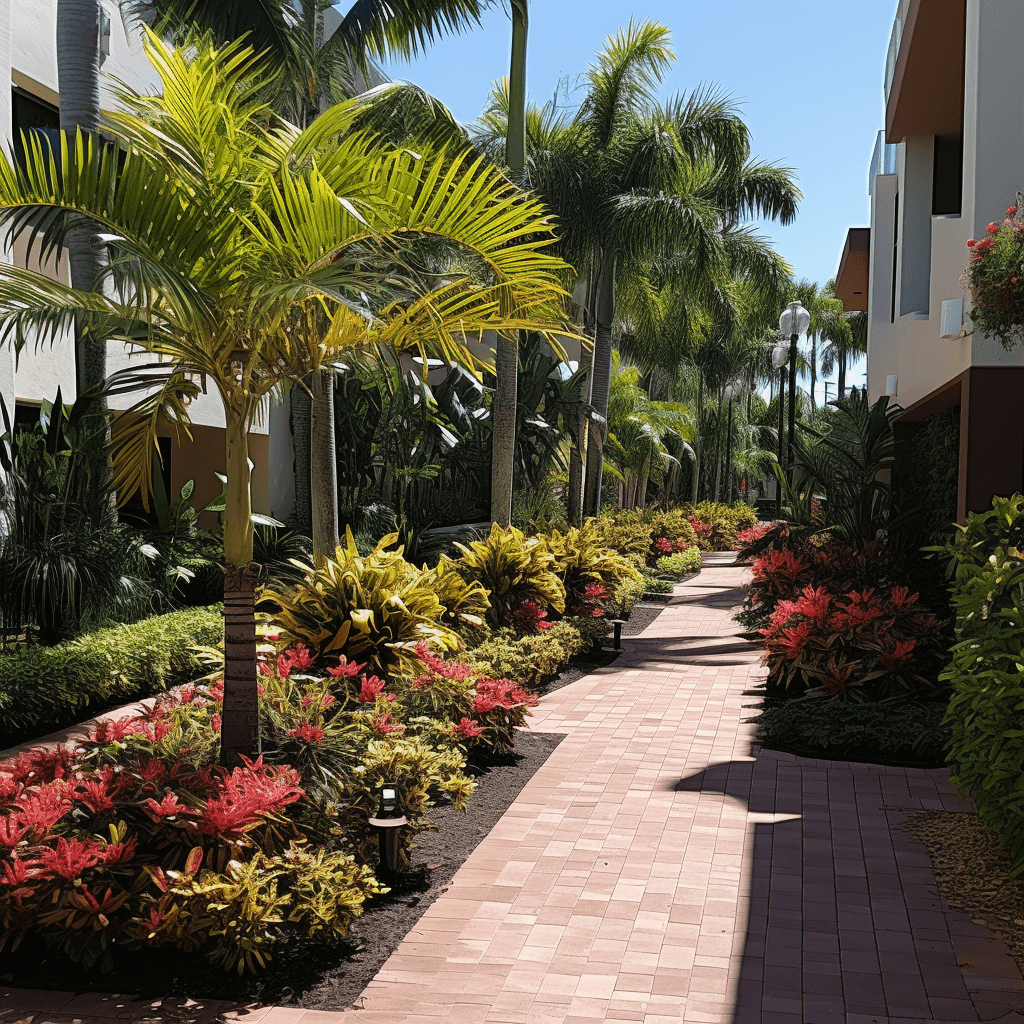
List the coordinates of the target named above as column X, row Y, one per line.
column 658, row 868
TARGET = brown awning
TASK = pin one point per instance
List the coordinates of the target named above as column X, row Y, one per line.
column 852, row 279
column 927, row 92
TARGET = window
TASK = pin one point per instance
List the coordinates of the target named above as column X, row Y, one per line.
column 948, row 175
column 29, row 113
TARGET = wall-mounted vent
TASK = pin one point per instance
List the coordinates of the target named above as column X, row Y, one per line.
column 952, row 318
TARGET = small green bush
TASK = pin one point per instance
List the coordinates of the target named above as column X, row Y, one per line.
column 45, row 688
column 892, row 730
column 531, row 658
column 681, row 564
column 986, row 673
column 653, row 585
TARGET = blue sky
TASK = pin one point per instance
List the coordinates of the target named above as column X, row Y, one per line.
column 807, row 73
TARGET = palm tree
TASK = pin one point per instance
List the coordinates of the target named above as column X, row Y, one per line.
column 228, row 242
column 828, row 323
column 845, row 347
column 506, row 355
column 78, row 78
column 632, row 180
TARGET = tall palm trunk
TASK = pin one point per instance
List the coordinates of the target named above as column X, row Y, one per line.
column 576, row 481
column 814, row 371
column 240, row 725
column 697, row 451
column 600, row 385
column 645, row 476
column 323, row 467
column 506, row 356
column 78, row 77
column 842, row 373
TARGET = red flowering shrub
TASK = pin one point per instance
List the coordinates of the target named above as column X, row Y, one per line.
column 879, row 640
column 995, row 279
column 754, row 533
column 456, row 693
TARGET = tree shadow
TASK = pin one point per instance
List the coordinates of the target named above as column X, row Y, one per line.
column 842, row 912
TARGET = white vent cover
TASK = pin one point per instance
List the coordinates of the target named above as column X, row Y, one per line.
column 952, row 318
column 892, row 385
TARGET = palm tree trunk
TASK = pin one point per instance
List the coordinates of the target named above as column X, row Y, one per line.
column 78, row 77
column 240, row 726
column 575, row 484
column 324, row 468
column 506, row 356
column 600, row 385
column 842, row 373
column 302, row 426
column 697, row 450
column 645, row 476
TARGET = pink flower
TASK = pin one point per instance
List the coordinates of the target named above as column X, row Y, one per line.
column 344, row 669
column 371, row 689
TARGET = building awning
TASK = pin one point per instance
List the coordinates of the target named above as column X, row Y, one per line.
column 926, row 96
column 852, row 279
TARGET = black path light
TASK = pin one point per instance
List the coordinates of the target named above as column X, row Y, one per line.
column 387, row 823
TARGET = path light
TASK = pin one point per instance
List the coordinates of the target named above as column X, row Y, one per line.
column 617, row 625
column 793, row 324
column 387, row 823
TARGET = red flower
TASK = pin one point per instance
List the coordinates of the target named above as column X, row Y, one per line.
column 794, row 640
column 41, row 809
column 902, row 599
column 169, row 807
column 69, row 858
column 663, row 545
column 344, row 669
column 371, row 689
column 898, row 654
column 11, row 833
column 215, row 722
column 8, row 785
column 1011, row 210
column 247, row 795
column 993, row 227
column 971, row 243
column 547, row 625
column 114, row 854
column 307, row 732
column 815, row 603
column 468, row 729
column 97, row 794
column 384, row 725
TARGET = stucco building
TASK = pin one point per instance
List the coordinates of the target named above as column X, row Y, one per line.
column 949, row 160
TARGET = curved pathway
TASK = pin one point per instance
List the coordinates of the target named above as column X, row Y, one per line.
column 660, row 868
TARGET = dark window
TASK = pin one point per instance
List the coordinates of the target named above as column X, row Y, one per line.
column 948, row 175
column 28, row 113
column 895, row 254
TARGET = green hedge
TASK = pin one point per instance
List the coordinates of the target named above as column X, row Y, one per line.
column 986, row 711
column 46, row 688
column 896, row 730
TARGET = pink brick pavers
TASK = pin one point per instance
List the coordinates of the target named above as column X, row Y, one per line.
column 659, row 868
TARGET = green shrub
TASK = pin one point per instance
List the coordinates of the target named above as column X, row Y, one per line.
column 515, row 570
column 625, row 597
column 717, row 524
column 531, row 658
column 837, row 727
column 986, row 673
column 653, row 585
column 374, row 609
column 681, row 564
column 587, row 566
column 45, row 688
column 627, row 533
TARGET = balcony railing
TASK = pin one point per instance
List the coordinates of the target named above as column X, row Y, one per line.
column 883, row 160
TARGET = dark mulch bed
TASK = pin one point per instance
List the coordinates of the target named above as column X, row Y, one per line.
column 310, row 974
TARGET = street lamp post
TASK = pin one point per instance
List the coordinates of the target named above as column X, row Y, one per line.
column 793, row 324
column 780, row 356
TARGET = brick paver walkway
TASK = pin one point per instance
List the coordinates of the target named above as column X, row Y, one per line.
column 659, row 868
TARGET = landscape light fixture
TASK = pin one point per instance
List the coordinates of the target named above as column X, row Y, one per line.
column 387, row 823
column 793, row 324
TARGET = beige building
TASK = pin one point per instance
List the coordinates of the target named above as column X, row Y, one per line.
column 949, row 160
column 31, row 100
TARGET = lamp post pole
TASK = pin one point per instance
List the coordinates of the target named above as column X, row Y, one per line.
column 793, row 339
column 792, row 324
column 782, row 421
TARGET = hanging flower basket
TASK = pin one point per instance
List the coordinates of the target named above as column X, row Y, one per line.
column 995, row 277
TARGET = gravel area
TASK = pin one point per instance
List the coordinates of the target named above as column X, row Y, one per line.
column 974, row 874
